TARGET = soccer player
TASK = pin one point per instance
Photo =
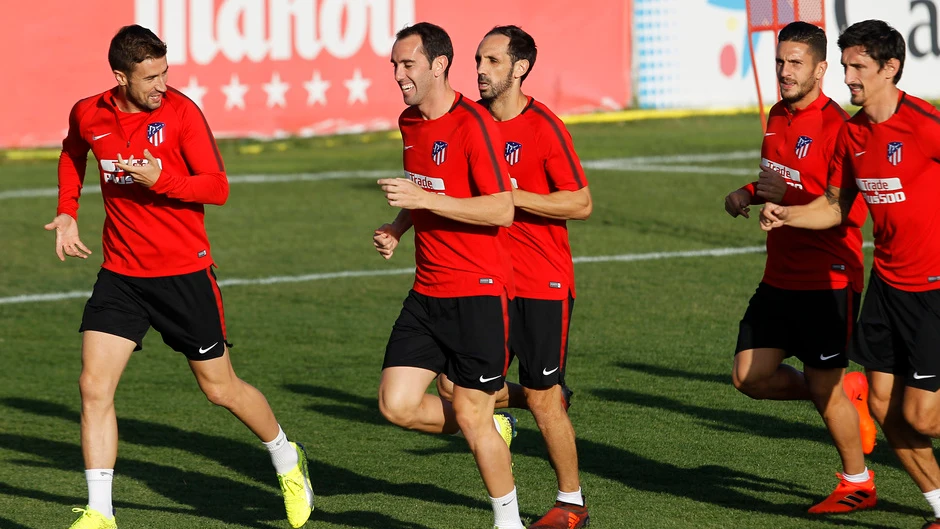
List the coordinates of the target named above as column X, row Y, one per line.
column 808, row 298
column 549, row 188
column 158, row 165
column 458, row 197
column 889, row 152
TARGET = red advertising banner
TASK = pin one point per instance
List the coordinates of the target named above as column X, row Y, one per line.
column 273, row 68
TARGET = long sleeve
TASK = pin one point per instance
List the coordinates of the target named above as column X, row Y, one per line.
column 71, row 172
column 207, row 183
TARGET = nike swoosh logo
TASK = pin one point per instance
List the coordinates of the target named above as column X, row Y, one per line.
column 921, row 377
column 98, row 137
column 770, row 134
column 206, row 350
column 546, row 372
column 485, row 380
column 824, row 358
column 408, row 147
column 860, row 153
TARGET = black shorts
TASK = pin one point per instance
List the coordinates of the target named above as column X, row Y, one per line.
column 813, row 325
column 539, row 339
column 186, row 310
column 466, row 338
column 899, row 333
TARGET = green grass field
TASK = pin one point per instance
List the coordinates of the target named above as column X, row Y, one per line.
column 665, row 441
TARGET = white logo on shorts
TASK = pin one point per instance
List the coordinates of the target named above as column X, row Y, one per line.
column 485, row 380
column 921, row 377
column 824, row 358
column 207, row 349
column 547, row 372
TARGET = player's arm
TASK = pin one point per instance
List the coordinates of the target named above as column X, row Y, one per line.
column 71, row 176
column 739, row 201
column 561, row 205
column 208, row 183
column 483, row 210
column 571, row 198
column 386, row 237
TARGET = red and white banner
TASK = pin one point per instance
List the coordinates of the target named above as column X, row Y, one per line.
column 273, row 68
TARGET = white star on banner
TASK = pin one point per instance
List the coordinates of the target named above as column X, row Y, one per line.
column 194, row 91
column 316, row 89
column 357, row 87
column 276, row 90
column 234, row 93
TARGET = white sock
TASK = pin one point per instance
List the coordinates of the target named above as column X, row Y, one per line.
column 506, row 511
column 857, row 478
column 282, row 452
column 99, row 490
column 933, row 498
column 571, row 497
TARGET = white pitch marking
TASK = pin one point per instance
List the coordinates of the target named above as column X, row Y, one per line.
column 652, row 164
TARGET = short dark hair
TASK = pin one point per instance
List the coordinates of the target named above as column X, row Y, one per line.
column 133, row 45
column 434, row 42
column 806, row 33
column 880, row 41
column 521, row 46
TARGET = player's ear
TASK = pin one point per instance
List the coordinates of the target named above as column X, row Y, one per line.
column 439, row 66
column 520, row 68
column 890, row 68
column 821, row 68
column 120, row 77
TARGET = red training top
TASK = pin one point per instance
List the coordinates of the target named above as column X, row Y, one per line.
column 147, row 232
column 896, row 166
column 799, row 145
column 455, row 155
column 541, row 160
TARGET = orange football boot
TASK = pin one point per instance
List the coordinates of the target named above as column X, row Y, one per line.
column 848, row 497
column 855, row 386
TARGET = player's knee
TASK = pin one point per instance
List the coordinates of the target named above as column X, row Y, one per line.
column 95, row 390
column 922, row 418
column 220, row 394
column 397, row 411
column 544, row 402
column 746, row 384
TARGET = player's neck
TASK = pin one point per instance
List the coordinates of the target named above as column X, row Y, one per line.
column 123, row 104
column 805, row 101
column 437, row 102
column 510, row 105
column 880, row 107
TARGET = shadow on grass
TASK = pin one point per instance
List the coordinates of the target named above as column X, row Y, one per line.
column 10, row 524
column 216, row 497
column 660, row 371
column 733, row 420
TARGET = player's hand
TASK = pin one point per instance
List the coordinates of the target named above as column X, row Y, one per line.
column 770, row 185
column 385, row 239
column 403, row 193
column 66, row 238
column 144, row 174
column 773, row 216
column 738, row 203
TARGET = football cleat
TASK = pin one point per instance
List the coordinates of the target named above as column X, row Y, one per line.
column 564, row 516
column 848, row 497
column 855, row 385
column 297, row 490
column 506, row 425
column 92, row 519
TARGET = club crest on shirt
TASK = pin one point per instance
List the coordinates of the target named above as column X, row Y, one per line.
column 155, row 133
column 439, row 152
column 802, row 146
column 894, row 152
column 512, row 152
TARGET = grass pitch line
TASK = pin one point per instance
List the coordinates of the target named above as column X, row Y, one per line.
column 651, row 164
column 715, row 252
